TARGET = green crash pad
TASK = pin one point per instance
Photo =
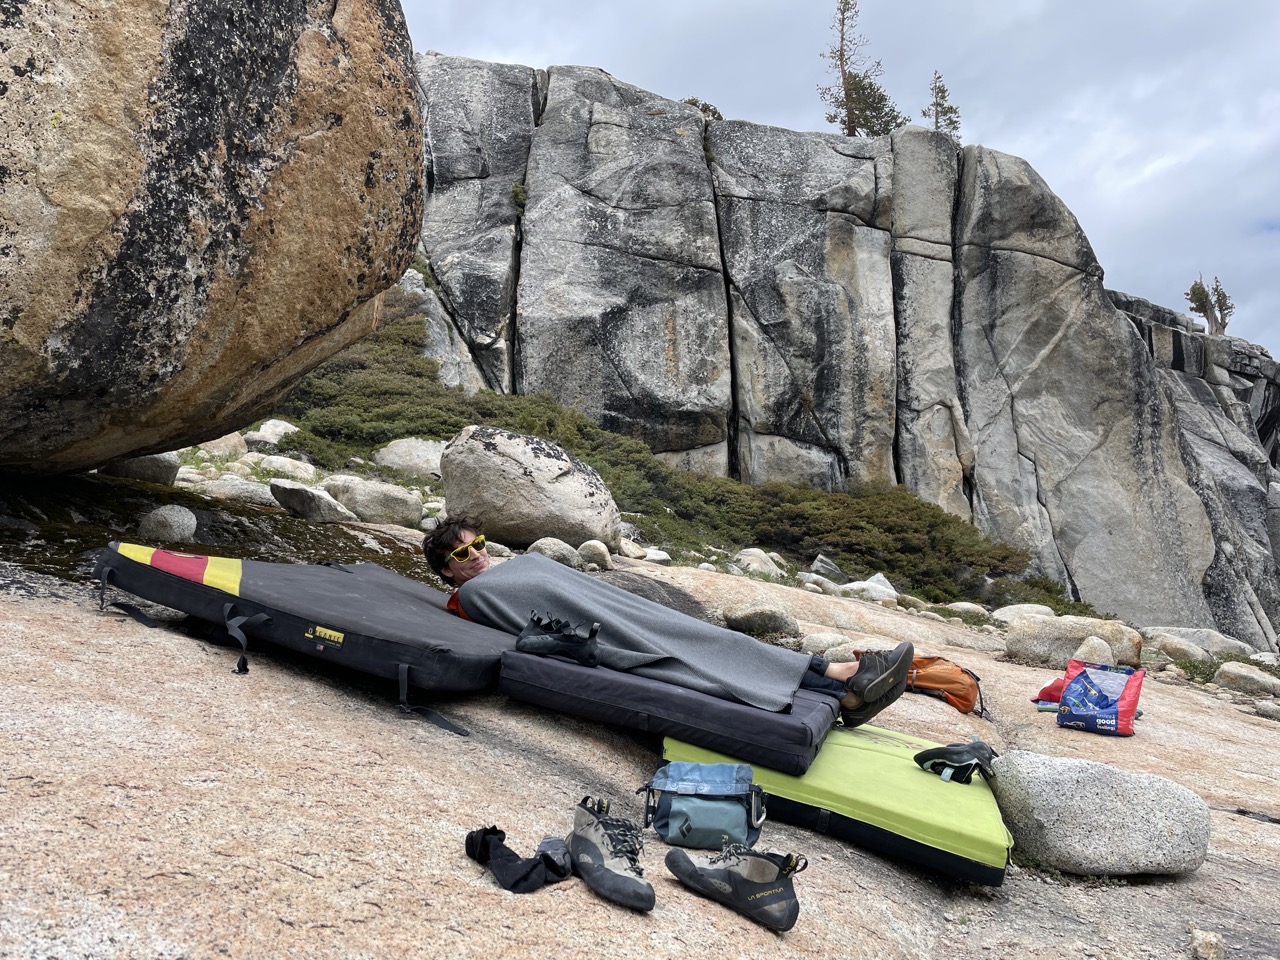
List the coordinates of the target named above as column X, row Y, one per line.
column 865, row 787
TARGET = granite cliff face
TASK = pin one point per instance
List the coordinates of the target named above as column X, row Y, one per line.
column 773, row 305
column 198, row 203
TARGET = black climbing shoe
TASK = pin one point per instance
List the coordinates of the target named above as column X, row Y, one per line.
column 957, row 762
column 753, row 883
column 881, row 679
column 606, row 852
column 548, row 637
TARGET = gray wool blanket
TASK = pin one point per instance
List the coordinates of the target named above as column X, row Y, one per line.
column 637, row 635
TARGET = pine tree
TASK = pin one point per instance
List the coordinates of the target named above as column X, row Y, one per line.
column 944, row 115
column 860, row 107
column 1212, row 303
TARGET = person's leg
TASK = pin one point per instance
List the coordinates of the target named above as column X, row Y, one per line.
column 818, row 679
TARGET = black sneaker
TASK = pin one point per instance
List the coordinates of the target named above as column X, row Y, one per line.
column 755, row 884
column 548, row 637
column 880, row 681
column 956, row 763
column 605, row 852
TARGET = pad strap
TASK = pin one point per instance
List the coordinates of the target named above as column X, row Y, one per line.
column 425, row 712
column 236, row 627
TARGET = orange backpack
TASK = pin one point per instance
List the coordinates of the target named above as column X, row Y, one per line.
column 938, row 677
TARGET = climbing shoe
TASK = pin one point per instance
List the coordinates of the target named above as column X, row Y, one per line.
column 881, row 679
column 753, row 883
column 549, row 637
column 957, row 762
column 605, row 852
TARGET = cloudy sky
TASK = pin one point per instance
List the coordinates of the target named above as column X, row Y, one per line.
column 1156, row 121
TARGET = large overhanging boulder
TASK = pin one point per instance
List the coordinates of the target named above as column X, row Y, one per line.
column 198, row 203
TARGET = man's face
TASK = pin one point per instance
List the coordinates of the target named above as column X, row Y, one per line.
column 477, row 561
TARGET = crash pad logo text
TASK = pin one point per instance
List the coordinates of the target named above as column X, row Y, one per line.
column 332, row 637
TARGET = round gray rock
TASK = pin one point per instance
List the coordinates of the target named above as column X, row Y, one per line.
column 1095, row 650
column 757, row 618
column 593, row 551
column 1246, row 678
column 1091, row 819
column 415, row 457
column 557, row 550
column 168, row 524
column 524, row 488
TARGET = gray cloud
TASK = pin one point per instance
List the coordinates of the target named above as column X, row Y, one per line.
column 1154, row 120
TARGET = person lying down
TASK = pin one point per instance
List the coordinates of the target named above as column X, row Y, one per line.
column 640, row 636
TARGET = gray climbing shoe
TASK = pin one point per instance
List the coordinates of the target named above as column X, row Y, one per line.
column 605, row 852
column 753, row 883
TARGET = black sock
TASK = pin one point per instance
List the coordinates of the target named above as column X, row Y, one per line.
column 488, row 847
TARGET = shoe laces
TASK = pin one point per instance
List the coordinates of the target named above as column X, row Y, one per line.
column 736, row 852
column 732, row 852
column 625, row 839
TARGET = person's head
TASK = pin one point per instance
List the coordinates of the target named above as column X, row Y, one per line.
column 452, row 539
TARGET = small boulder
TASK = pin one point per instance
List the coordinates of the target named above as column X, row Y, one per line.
column 755, row 560
column 760, row 617
column 225, row 448
column 963, row 606
column 309, row 503
column 820, row 643
column 375, row 501
column 1247, row 679
column 820, row 583
column 1095, row 650
column 1092, row 819
column 412, row 456
column 1175, row 648
column 161, row 468
column 873, row 589
column 288, row 467
column 268, row 436
column 524, row 488
column 824, row 566
column 1017, row 611
column 595, row 552
column 168, row 524
column 234, row 488
column 630, row 549
column 1215, row 643
column 1053, row 641
column 660, row 557
column 557, row 550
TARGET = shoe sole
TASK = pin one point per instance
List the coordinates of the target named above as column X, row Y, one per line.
column 636, row 893
column 896, row 671
column 605, row 883
column 683, row 869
